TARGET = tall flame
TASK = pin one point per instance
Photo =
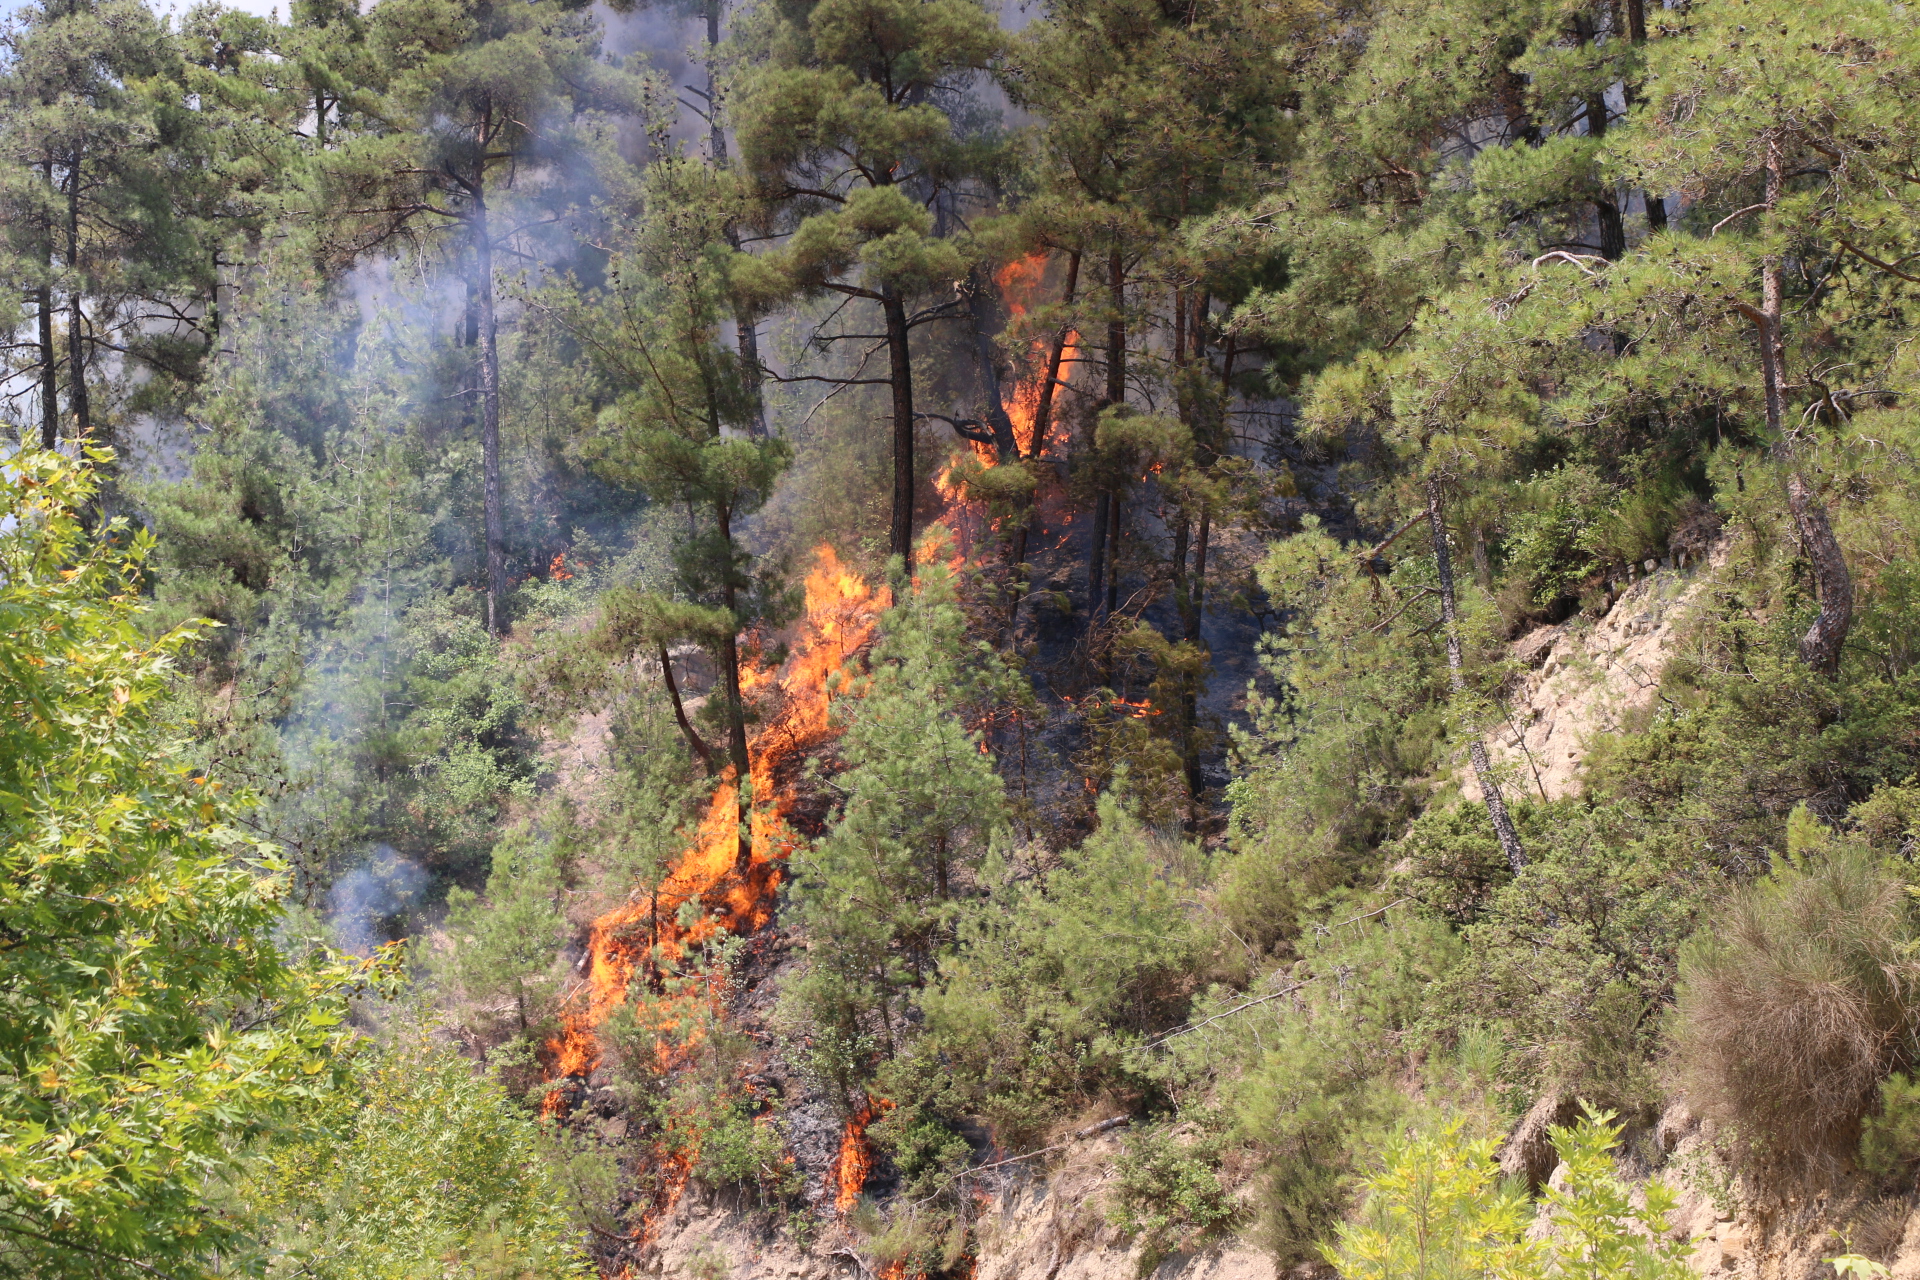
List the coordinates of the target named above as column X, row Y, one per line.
column 1018, row 282
column 855, row 1161
column 840, row 615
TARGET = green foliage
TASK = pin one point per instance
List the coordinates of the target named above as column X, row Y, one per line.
column 1890, row 1136
column 423, row 1168
column 503, row 948
column 151, row 1020
column 1168, row 1192
column 921, row 803
column 1438, row 1208
column 739, row 1148
column 1570, row 962
column 1055, row 977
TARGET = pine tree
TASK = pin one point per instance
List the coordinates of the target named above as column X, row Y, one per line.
column 473, row 90
column 846, row 127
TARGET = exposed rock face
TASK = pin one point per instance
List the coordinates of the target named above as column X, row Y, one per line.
column 1589, row 677
column 1528, row 1152
column 1039, row 1227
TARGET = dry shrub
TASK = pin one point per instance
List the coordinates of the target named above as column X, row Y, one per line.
column 1796, row 1002
column 1879, row 1228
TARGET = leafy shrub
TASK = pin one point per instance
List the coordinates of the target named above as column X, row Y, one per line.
column 1439, row 1211
column 1168, row 1191
column 1798, row 999
column 740, row 1149
column 1890, row 1137
column 1569, row 962
column 1317, row 1073
column 426, row 1168
column 1056, row 976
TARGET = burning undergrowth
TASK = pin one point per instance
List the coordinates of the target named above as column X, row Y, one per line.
column 657, row 979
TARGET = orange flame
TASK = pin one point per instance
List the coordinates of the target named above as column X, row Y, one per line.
column 1018, row 282
column 558, row 569
column 855, row 1161
column 841, row 611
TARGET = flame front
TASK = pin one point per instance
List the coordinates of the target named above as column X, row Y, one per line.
column 840, row 615
column 855, row 1161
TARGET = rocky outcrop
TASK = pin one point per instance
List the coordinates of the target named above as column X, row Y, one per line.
column 1587, row 677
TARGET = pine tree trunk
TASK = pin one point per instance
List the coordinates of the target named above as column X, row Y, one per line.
column 1115, row 509
column 1637, row 34
column 76, row 319
column 1197, row 581
column 743, row 324
column 1456, row 677
column 1182, row 598
column 900, row 365
column 1820, row 648
column 1613, row 230
column 694, row 740
column 1097, row 559
column 736, row 704
column 1042, row 423
column 1005, row 447
column 1043, row 412
column 489, row 416
column 49, row 353
column 716, row 132
column 49, row 362
column 1105, row 518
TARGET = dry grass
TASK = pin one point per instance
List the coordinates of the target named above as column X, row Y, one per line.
column 1795, row 1004
column 1879, row 1228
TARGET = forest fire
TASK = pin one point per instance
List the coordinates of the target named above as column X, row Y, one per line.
column 1018, row 282
column 855, row 1161
column 840, row 612
column 1024, row 400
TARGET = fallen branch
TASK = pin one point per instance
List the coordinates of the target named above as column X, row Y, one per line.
column 1287, row 991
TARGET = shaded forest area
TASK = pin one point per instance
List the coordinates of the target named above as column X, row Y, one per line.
column 809, row 603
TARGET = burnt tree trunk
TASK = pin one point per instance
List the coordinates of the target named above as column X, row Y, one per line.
column 736, row 704
column 900, row 364
column 694, row 740
column 1105, row 518
column 76, row 319
column 1042, row 423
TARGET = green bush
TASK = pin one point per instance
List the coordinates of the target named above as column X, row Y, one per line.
column 1890, row 1137
column 426, row 1168
column 1438, row 1210
column 1167, row 1191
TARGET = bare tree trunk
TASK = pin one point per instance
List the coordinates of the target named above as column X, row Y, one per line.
column 1005, row 447
column 736, row 705
column 49, row 361
column 1197, row 581
column 1043, row 411
column 748, row 336
column 1613, row 230
column 49, row 354
column 694, row 740
column 1630, row 91
column 900, row 365
column 1833, row 583
column 1097, row 559
column 489, row 416
column 1115, row 508
column 1105, row 518
column 76, row 319
column 1042, row 423
column 1456, row 677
